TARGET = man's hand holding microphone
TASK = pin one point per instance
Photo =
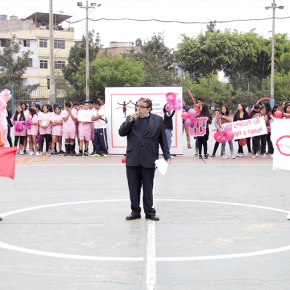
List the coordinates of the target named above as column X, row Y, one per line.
column 134, row 117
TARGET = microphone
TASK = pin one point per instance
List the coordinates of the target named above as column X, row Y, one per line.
column 133, row 119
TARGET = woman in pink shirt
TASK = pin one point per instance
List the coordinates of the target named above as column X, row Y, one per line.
column 26, row 113
column 33, row 131
column 19, row 118
column 56, row 121
column 44, row 129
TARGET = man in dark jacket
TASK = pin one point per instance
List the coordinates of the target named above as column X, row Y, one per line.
column 144, row 131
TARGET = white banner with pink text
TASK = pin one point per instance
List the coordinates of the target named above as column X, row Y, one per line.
column 248, row 128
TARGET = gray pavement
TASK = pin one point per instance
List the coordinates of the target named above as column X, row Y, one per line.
column 90, row 245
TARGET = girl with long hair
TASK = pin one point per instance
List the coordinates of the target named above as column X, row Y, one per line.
column 168, row 124
column 241, row 114
column 202, row 140
column 33, row 131
column 224, row 118
column 56, row 121
column 44, row 129
column 19, row 134
column 270, row 118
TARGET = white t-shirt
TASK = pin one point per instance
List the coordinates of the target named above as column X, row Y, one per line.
column 100, row 124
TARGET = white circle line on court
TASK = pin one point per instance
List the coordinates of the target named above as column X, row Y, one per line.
column 138, row 259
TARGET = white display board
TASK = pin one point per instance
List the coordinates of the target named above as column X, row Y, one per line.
column 121, row 102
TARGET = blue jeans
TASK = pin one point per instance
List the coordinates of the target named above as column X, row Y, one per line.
column 231, row 147
column 168, row 136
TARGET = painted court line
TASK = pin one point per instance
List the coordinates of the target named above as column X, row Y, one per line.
column 151, row 257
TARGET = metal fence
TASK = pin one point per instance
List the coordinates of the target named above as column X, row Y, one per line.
column 33, row 95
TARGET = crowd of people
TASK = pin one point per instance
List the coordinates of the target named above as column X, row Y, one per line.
column 35, row 127
column 258, row 145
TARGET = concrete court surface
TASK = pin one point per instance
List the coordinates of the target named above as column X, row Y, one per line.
column 222, row 226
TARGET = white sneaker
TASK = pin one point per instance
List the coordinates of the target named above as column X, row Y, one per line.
column 172, row 157
column 240, row 155
column 288, row 216
column 31, row 153
column 225, row 156
column 257, row 154
column 37, row 153
column 264, row 156
column 254, row 156
column 233, row 156
column 21, row 152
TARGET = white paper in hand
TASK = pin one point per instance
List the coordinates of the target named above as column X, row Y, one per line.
column 162, row 165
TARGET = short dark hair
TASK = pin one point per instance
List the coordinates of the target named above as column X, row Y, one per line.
column 55, row 107
column 91, row 102
column 200, row 99
column 76, row 103
column 147, row 101
column 97, row 102
column 68, row 105
column 37, row 106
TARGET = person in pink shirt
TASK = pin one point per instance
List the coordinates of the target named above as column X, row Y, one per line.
column 26, row 113
column 19, row 118
column 69, row 129
column 56, row 121
column 76, row 108
column 85, row 129
column 33, row 131
column 44, row 129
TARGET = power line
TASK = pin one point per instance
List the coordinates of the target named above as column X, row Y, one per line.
column 179, row 22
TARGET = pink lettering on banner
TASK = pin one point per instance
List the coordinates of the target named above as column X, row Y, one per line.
column 238, row 133
column 198, row 127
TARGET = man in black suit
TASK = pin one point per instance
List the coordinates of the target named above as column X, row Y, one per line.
column 144, row 131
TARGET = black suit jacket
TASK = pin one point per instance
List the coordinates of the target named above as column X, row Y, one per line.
column 144, row 150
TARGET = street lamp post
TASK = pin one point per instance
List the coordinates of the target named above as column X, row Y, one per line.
column 51, row 56
column 273, row 6
column 93, row 5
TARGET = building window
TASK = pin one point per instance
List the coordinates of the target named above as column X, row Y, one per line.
column 43, row 64
column 3, row 42
column 59, row 44
column 43, row 43
column 26, row 43
column 59, row 64
column 30, row 62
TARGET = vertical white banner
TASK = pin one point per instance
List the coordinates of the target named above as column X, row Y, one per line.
column 121, row 103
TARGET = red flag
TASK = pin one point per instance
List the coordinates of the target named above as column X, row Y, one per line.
column 7, row 161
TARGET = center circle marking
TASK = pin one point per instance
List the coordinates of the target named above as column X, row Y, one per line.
column 138, row 259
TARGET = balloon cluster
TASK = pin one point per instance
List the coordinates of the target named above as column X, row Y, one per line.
column 225, row 134
column 189, row 117
column 174, row 103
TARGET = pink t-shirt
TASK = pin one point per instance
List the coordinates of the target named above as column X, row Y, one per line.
column 34, row 128
column 16, row 133
column 57, row 129
column 85, row 127
column 69, row 125
column 44, row 118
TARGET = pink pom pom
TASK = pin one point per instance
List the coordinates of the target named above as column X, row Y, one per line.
column 19, row 127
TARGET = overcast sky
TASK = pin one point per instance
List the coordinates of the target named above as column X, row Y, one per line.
column 190, row 10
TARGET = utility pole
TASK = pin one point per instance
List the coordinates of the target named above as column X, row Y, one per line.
column 93, row 5
column 51, row 56
column 273, row 6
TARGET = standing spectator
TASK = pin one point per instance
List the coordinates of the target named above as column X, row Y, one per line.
column 44, row 129
column 241, row 114
column 269, row 118
column 33, row 131
column 19, row 121
column 186, row 108
column 56, row 121
column 9, row 126
column 168, row 125
column 100, row 132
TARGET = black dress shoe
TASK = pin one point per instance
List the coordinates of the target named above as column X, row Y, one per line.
column 0, row 218
column 133, row 217
column 152, row 217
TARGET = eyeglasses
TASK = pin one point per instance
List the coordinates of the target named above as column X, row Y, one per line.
column 141, row 107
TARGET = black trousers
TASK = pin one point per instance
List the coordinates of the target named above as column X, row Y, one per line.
column 270, row 145
column 9, row 135
column 46, row 137
column 138, row 177
column 100, row 140
column 256, row 140
column 21, row 140
column 202, row 141
column 216, row 146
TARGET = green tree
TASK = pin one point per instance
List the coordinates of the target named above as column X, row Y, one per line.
column 13, row 64
column 157, row 59
column 78, row 53
column 109, row 72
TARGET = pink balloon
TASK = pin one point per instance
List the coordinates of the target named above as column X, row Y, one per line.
column 278, row 114
column 187, row 122
column 178, row 101
column 217, row 136
column 222, row 132
column 177, row 106
column 192, row 114
column 168, row 108
column 230, row 135
column 171, row 97
column 223, row 139
column 184, row 115
column 228, row 128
